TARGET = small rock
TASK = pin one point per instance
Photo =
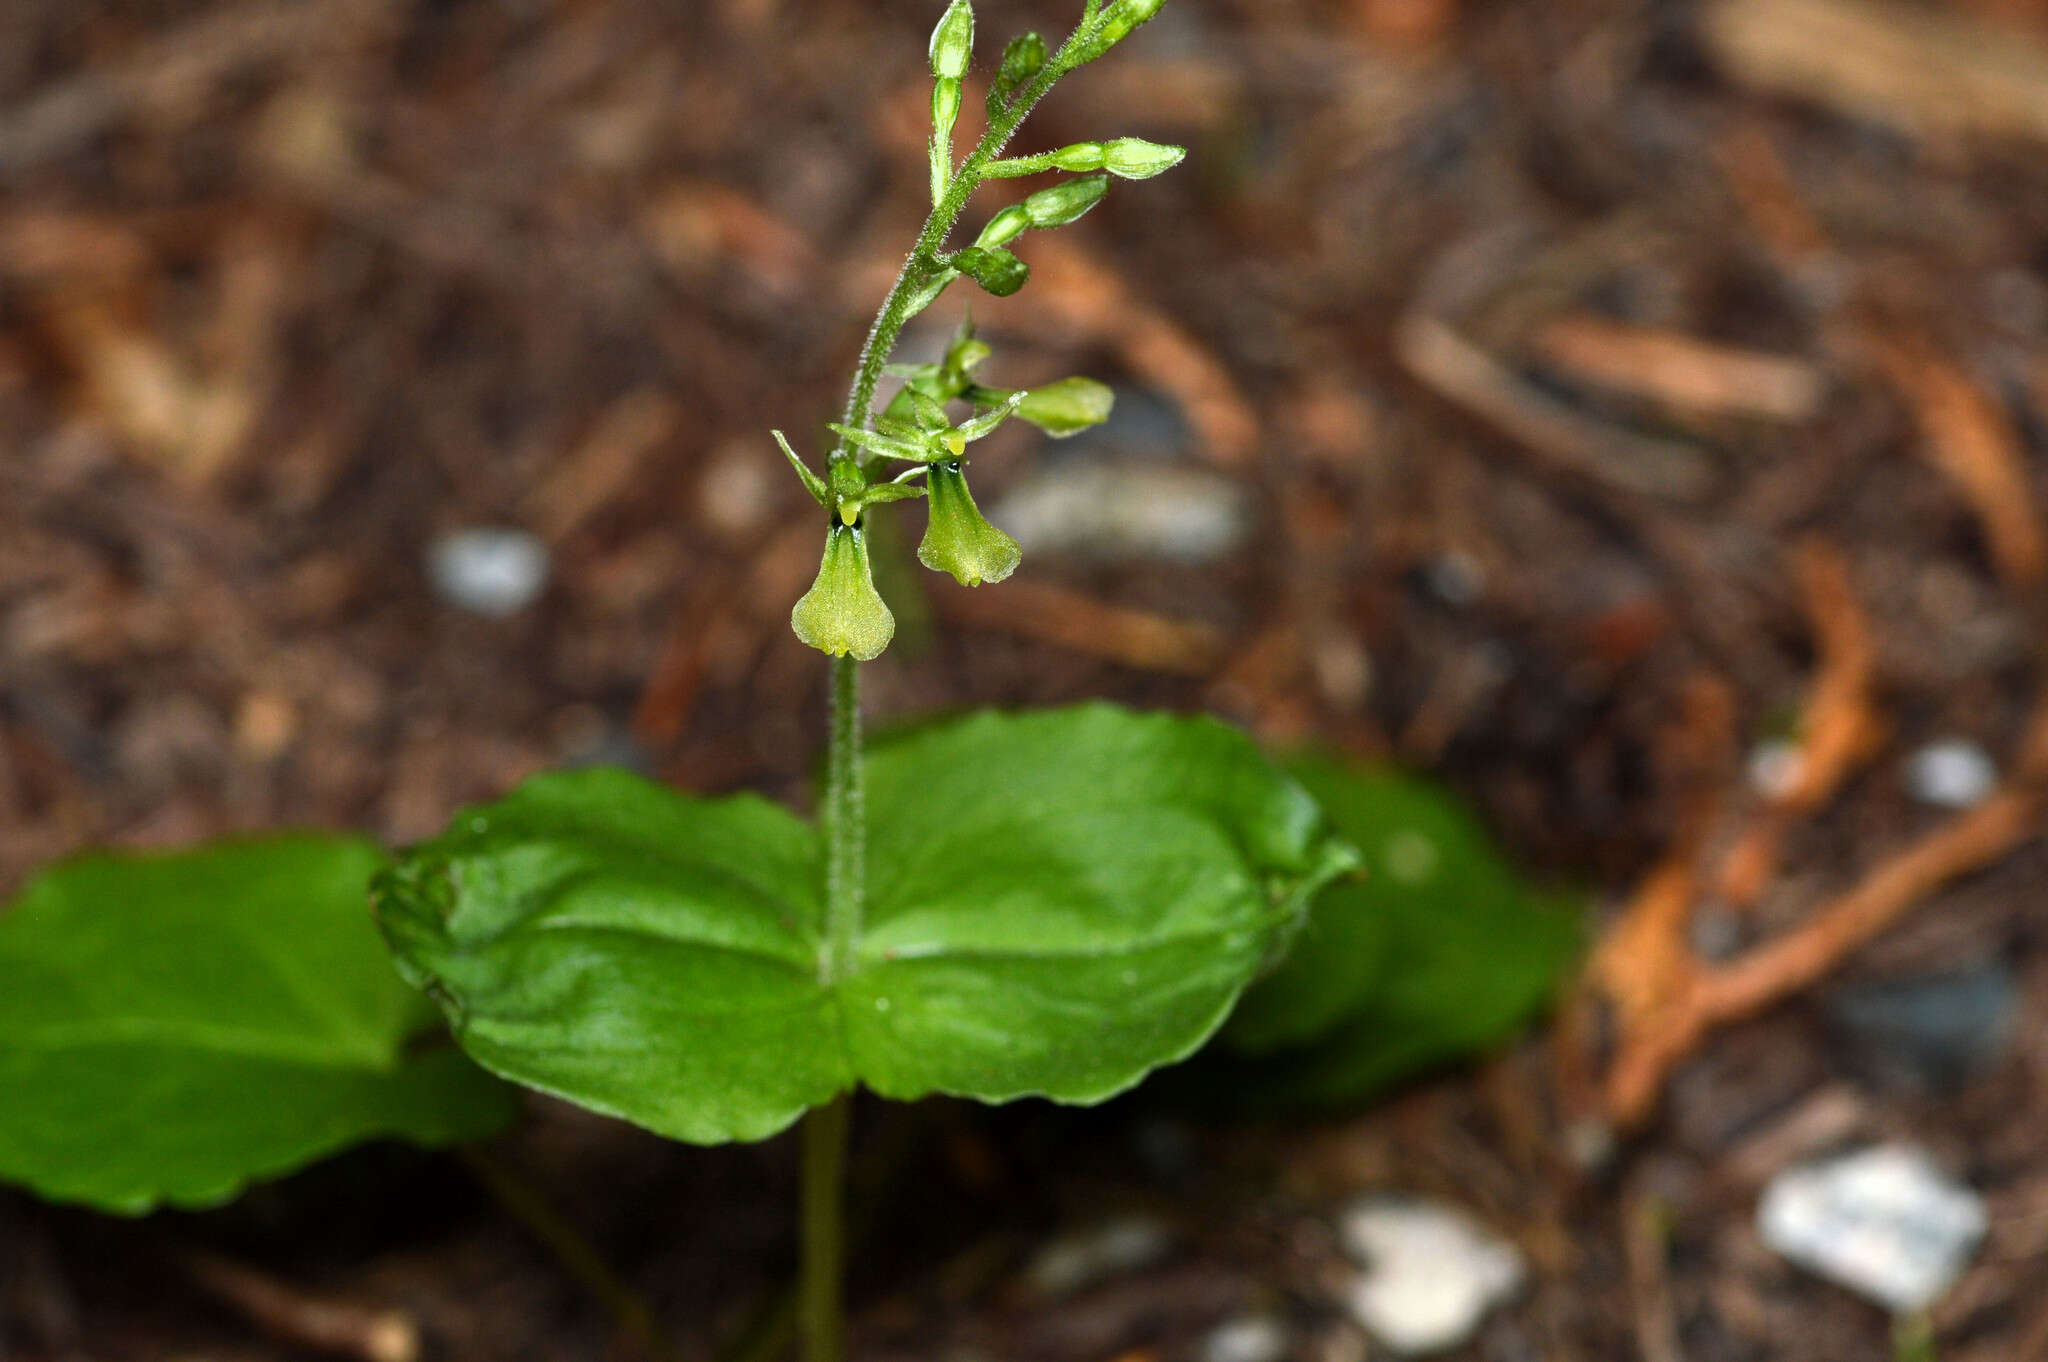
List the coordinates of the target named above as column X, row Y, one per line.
column 1883, row 1222
column 1936, row 1031
column 1456, row 578
column 1126, row 510
column 1068, row 1264
column 1954, row 773
column 1718, row 931
column 737, row 491
column 1774, row 768
column 1253, row 1338
column 1431, row 1274
column 491, row 571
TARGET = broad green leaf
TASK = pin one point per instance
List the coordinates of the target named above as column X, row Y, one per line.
column 1057, row 904
column 1438, row 951
column 634, row 950
column 175, row 1026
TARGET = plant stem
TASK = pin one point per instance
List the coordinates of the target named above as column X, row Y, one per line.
column 519, row 1198
column 845, row 822
column 821, row 1308
column 821, row 1285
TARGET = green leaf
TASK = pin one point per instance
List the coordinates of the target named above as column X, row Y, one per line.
column 175, row 1026
column 1058, row 903
column 1437, row 952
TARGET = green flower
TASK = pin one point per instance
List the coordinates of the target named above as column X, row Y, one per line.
column 958, row 539
column 842, row 612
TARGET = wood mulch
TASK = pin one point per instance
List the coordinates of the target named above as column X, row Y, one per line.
column 1612, row 385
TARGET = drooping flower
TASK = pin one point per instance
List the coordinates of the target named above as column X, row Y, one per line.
column 958, row 538
column 842, row 614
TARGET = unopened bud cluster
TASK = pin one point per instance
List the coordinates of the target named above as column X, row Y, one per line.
column 843, row 614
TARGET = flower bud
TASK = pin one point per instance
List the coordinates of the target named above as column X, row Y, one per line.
column 1136, row 159
column 842, row 614
column 1067, row 407
column 945, row 111
column 995, row 269
column 957, row 539
column 945, row 108
column 1004, row 227
column 953, row 41
column 1079, row 156
column 1117, row 24
column 964, row 354
column 1064, row 203
column 1023, row 59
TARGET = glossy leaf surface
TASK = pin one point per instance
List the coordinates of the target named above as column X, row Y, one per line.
column 1058, row 903
column 174, row 1026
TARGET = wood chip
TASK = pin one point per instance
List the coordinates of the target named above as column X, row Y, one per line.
column 1070, row 619
column 1566, row 439
column 1681, row 371
column 1970, row 440
column 601, row 469
column 1920, row 69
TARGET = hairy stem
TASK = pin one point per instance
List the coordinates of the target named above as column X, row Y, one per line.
column 820, row 1289
column 845, row 824
column 821, row 1286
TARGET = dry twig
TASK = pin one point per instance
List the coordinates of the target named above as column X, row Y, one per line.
column 1919, row 69
column 1069, row 619
column 309, row 1321
column 1970, row 441
column 1681, row 371
column 1465, row 375
column 1841, row 724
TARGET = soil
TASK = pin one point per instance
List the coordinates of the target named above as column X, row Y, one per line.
column 1598, row 378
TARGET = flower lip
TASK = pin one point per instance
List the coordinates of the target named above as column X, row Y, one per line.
column 958, row 539
column 842, row 614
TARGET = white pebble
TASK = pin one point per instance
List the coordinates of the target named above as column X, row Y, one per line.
column 1774, row 768
column 1068, row 1264
column 1253, row 1338
column 490, row 571
column 1127, row 510
column 1951, row 774
column 1883, row 1222
column 1431, row 1275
